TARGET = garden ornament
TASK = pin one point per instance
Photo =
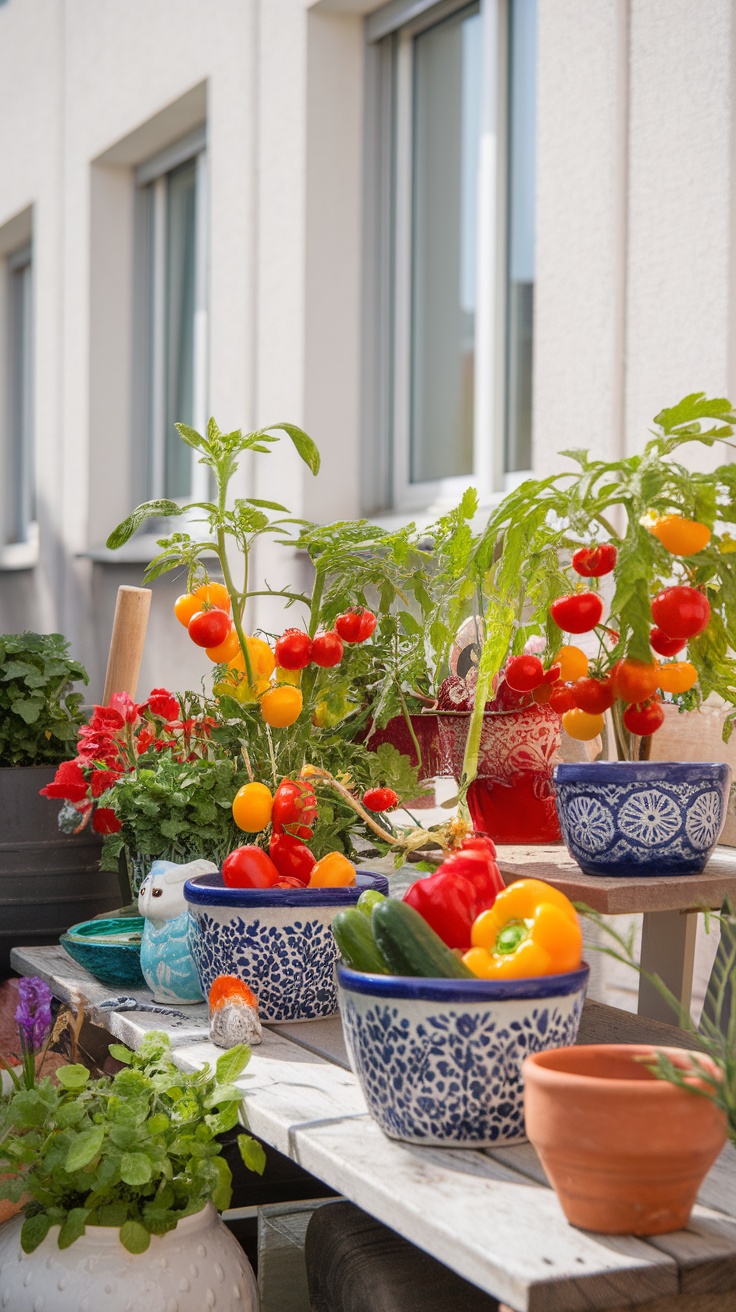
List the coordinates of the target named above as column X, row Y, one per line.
column 166, row 961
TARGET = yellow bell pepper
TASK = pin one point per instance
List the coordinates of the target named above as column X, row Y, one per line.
column 531, row 929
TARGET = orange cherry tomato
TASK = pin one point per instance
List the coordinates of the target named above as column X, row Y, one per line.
column 681, row 536
column 225, row 651
column 252, row 807
column 333, row 871
column 185, row 607
column 281, row 706
column 573, row 664
column 635, row 681
column 677, row 676
column 213, row 594
column 262, row 658
column 581, row 725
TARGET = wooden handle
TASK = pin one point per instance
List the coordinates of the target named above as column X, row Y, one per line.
column 126, row 643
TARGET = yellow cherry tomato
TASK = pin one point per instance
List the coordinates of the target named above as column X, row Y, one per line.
column 252, row 806
column 228, row 648
column 293, row 677
column 573, row 663
column 677, row 676
column 244, row 693
column 261, row 658
column 186, row 606
column 581, row 725
column 280, row 707
column 213, row 594
column 681, row 536
column 333, row 871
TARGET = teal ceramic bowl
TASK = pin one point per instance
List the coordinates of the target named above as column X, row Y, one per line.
column 109, row 949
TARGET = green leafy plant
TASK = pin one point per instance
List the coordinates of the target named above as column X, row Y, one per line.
column 716, row 1034
column 40, row 714
column 136, row 1151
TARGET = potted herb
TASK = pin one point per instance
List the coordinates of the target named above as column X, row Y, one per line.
column 55, row 874
column 610, row 570
column 119, row 1176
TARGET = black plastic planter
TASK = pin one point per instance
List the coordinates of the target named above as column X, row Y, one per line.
column 48, row 880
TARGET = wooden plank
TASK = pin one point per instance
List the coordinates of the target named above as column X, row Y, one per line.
column 667, row 950
column 622, row 896
column 705, row 1253
column 600, row 1023
column 687, row 1303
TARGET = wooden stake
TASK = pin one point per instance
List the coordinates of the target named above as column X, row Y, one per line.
column 126, row 643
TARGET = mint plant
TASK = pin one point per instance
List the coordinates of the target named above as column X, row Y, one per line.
column 136, row 1151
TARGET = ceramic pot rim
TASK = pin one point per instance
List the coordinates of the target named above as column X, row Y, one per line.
column 84, row 930
column 546, row 1075
column 415, row 989
column 210, row 891
column 626, row 772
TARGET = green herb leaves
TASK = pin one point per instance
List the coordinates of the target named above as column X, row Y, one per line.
column 137, row 1151
column 39, row 713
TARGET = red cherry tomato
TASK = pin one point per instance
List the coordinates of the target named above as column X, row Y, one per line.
column 327, row 649
column 663, row 645
column 578, row 612
column 681, row 612
column 593, row 562
column 208, row 628
column 291, row 858
column 562, row 698
column 249, row 867
column 594, row 695
column 553, row 673
column 380, row 799
column 643, row 718
column 355, row 625
column 293, row 650
column 524, row 673
column 635, row 681
column 294, row 808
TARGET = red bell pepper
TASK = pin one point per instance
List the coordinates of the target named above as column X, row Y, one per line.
column 466, row 883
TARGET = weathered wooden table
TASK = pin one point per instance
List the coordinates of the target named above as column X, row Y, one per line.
column 669, row 905
column 487, row 1214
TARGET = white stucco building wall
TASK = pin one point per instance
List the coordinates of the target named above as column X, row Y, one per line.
column 633, row 294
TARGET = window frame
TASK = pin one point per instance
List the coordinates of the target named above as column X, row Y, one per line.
column 149, row 401
column 19, row 475
column 390, row 32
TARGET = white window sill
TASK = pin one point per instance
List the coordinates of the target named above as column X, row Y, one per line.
column 138, row 551
column 20, row 555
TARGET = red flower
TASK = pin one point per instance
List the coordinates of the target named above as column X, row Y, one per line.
column 123, row 703
column 145, row 738
column 68, row 783
column 163, row 704
column 105, row 821
column 102, row 779
column 106, row 719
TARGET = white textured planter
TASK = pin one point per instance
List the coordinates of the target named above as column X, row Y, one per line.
column 196, row 1267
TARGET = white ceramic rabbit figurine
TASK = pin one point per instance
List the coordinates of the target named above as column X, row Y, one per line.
column 166, row 960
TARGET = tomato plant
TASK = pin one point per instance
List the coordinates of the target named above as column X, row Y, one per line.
column 208, row 628
column 594, row 695
column 681, row 536
column 327, row 650
column 681, row 612
column 578, row 612
column 643, row 718
column 249, row 867
column 663, row 645
column 594, row 562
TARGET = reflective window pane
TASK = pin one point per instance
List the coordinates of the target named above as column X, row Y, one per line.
column 522, row 107
column 20, row 508
column 447, row 67
column 181, row 188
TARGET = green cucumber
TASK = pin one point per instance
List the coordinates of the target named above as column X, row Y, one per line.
column 410, row 946
column 369, row 898
column 354, row 937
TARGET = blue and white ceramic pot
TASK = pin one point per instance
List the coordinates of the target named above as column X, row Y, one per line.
column 439, row 1060
column 278, row 941
column 632, row 818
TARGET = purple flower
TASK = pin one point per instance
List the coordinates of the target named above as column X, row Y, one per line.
column 33, row 1013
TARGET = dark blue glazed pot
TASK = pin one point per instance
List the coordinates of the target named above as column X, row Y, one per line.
column 439, row 1060
column 629, row 818
column 278, row 941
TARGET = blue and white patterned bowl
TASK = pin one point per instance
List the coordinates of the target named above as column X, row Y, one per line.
column 278, row 941
column 439, row 1060
column 642, row 817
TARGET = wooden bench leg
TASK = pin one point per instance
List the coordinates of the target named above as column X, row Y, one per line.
column 667, row 950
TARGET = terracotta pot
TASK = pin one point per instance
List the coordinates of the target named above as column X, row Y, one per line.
column 625, row 1152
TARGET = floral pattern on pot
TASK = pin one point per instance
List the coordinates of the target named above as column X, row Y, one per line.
column 279, row 943
column 643, row 817
column 449, row 1073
